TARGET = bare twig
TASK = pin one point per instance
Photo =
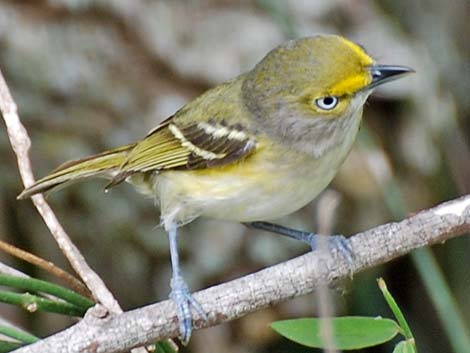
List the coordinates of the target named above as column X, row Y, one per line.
column 7, row 270
column 21, row 143
column 231, row 300
column 48, row 266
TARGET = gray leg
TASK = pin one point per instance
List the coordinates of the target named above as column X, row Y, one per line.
column 180, row 293
column 338, row 242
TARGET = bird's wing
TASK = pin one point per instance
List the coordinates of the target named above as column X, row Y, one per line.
column 177, row 144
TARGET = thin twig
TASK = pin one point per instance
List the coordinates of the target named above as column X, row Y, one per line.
column 21, row 143
column 231, row 300
column 7, row 270
column 48, row 266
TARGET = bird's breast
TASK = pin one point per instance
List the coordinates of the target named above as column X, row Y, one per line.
column 256, row 189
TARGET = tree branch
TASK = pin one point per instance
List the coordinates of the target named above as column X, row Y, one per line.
column 231, row 300
column 21, row 143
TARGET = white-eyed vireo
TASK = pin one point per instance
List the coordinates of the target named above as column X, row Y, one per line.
column 255, row 148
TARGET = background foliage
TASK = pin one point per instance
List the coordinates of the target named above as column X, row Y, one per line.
column 90, row 75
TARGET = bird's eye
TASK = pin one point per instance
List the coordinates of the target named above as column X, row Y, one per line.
column 327, row 103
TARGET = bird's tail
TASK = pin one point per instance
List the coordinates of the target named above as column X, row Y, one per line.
column 105, row 164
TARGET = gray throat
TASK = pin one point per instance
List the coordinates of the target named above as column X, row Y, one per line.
column 317, row 136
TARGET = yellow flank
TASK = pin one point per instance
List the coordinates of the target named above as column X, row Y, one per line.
column 246, row 168
column 255, row 168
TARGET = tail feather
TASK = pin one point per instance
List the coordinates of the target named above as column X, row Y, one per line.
column 105, row 164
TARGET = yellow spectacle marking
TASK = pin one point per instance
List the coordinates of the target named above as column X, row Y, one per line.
column 358, row 80
column 351, row 84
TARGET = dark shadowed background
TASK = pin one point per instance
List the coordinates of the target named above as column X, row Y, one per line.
column 91, row 75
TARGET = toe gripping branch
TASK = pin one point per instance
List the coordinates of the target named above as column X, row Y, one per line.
column 180, row 292
column 182, row 296
column 335, row 242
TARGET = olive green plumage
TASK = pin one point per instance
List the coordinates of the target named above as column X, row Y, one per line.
column 255, row 148
column 100, row 165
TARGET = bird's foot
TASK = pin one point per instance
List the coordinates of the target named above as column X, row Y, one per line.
column 333, row 242
column 183, row 299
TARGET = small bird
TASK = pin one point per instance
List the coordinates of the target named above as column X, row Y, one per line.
column 249, row 150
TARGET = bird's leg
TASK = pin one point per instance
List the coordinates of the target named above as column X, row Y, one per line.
column 180, row 293
column 338, row 242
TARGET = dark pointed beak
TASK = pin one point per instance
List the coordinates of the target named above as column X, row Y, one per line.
column 386, row 73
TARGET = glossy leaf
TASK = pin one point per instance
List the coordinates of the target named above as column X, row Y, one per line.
column 350, row 332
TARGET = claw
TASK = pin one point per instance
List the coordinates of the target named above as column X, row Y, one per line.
column 183, row 299
column 335, row 243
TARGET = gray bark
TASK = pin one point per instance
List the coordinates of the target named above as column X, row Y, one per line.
column 231, row 300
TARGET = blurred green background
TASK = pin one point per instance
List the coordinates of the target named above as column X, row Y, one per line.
column 90, row 75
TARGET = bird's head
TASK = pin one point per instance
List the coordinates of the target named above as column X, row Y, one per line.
column 313, row 82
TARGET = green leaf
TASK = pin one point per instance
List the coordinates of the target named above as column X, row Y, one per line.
column 8, row 346
column 349, row 332
column 407, row 346
column 395, row 309
column 18, row 334
column 437, row 288
column 164, row 347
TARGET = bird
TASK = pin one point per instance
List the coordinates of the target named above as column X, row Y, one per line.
column 250, row 150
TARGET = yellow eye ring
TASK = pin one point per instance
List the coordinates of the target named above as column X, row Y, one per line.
column 327, row 102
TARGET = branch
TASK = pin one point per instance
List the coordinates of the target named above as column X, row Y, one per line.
column 21, row 143
column 231, row 300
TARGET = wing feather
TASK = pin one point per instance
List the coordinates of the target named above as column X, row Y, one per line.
column 174, row 145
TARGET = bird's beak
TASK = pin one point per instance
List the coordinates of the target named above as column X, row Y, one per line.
column 386, row 73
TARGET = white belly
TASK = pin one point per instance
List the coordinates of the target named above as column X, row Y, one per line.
column 244, row 197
